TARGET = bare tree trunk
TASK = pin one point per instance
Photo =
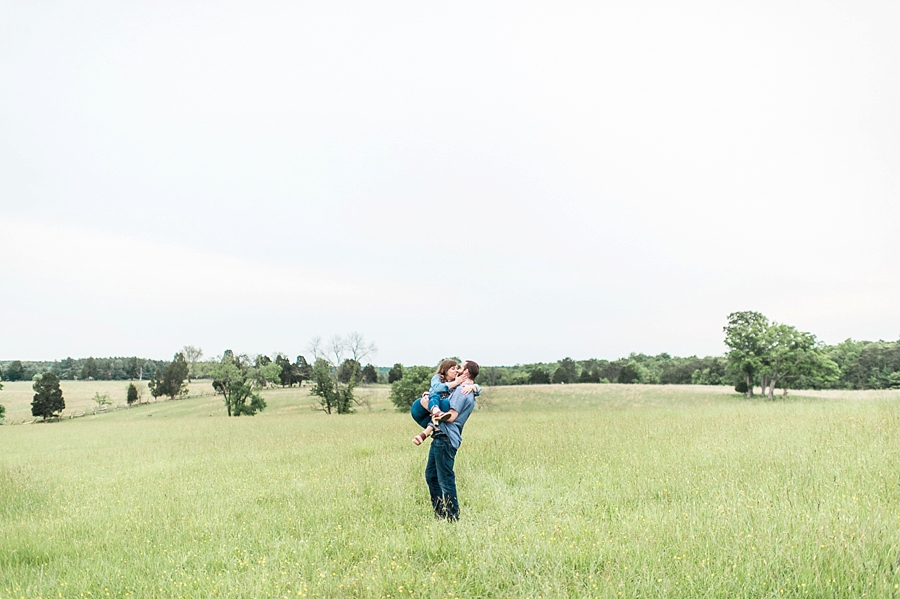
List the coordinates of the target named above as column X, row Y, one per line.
column 749, row 386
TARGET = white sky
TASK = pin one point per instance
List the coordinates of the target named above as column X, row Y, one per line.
column 510, row 182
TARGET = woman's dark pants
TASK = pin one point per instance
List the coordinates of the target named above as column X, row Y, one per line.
column 441, row 479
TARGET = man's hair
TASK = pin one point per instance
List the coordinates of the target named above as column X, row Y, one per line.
column 472, row 367
column 445, row 366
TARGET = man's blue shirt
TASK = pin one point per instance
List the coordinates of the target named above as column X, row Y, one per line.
column 463, row 404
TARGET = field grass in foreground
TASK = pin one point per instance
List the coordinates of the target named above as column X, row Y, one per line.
column 567, row 491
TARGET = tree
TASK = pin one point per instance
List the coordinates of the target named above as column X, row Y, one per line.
column 560, row 376
column 358, row 348
column 395, row 373
column 566, row 372
column 15, row 371
column 286, row 376
column 893, row 383
column 791, row 354
column 102, row 399
column 170, row 380
column 745, row 336
column 632, row 372
column 492, row 376
column 2, row 409
column 538, row 376
column 335, row 371
column 369, row 375
column 134, row 368
column 408, row 388
column 267, row 371
column 348, row 370
column 237, row 379
column 571, row 369
column 132, row 394
column 334, row 396
column 48, row 398
column 192, row 355
column 300, row 371
column 89, row 370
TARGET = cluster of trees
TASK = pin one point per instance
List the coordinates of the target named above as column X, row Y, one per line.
column 238, row 379
column 336, row 371
column 636, row 368
column 82, row 369
column 774, row 355
column 866, row 364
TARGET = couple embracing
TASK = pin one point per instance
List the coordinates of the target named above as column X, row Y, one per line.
column 442, row 412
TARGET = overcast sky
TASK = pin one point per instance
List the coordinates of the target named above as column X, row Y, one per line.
column 505, row 181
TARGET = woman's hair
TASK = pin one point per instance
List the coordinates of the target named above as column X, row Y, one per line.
column 444, row 367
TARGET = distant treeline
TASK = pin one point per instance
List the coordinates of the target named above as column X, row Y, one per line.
column 861, row 365
column 636, row 368
column 82, row 369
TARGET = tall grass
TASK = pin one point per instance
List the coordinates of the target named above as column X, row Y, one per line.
column 577, row 491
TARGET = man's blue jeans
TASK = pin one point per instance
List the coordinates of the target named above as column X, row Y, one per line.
column 441, row 479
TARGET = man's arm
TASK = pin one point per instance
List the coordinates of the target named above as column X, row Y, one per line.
column 453, row 414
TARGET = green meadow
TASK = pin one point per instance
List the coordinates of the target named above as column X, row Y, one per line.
column 566, row 491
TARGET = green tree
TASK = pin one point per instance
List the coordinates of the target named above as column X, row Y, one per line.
column 134, row 368
column 15, row 371
column 590, row 372
column 560, row 376
column 745, row 336
column 300, row 371
column 171, row 379
column 2, row 409
column 893, row 382
column 395, row 373
column 791, row 354
column 102, row 399
column 267, row 371
column 538, row 376
column 335, row 371
column 334, row 395
column 349, row 370
column 89, row 369
column 48, row 398
column 571, row 368
column 192, row 355
column 369, row 374
column 409, row 387
column 286, row 376
column 632, row 372
column 131, row 395
column 237, row 379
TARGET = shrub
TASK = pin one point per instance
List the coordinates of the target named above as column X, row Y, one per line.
column 404, row 391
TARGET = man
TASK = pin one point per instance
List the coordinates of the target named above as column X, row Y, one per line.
column 445, row 442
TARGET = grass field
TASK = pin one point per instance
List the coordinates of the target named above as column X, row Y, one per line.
column 566, row 491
